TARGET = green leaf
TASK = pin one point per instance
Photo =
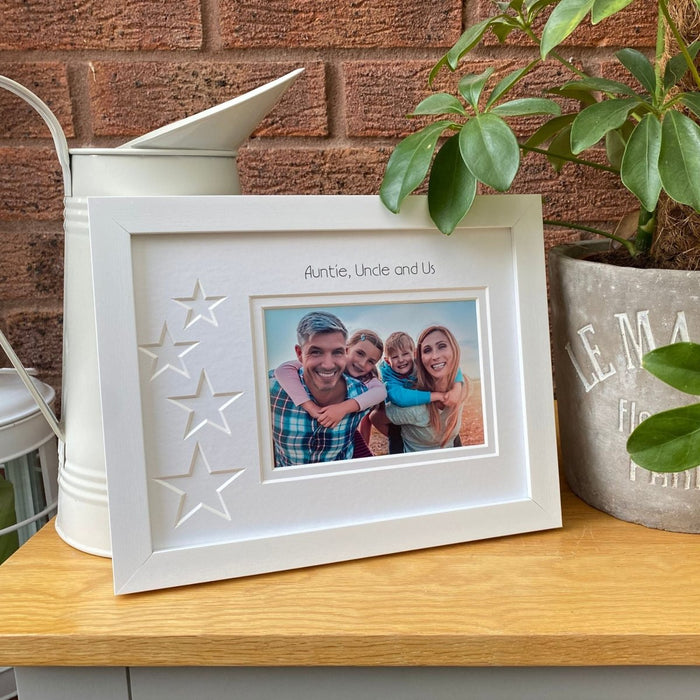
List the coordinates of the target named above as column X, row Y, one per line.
column 409, row 163
column 471, row 86
column 679, row 158
column 527, row 105
column 677, row 66
column 640, row 164
column 604, row 8
column 594, row 84
column 534, row 8
column 667, row 441
column 595, row 121
column 469, row 39
column 640, row 67
column 586, row 97
column 559, row 151
column 490, row 150
column 441, row 103
column 691, row 100
column 507, row 83
column 436, row 69
column 451, row 188
column 615, row 145
column 565, row 17
column 616, row 142
column 549, row 129
column 502, row 27
column 678, row 365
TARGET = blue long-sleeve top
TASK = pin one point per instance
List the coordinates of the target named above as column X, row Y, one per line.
column 399, row 387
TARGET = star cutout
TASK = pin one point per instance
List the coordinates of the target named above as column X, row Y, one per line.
column 200, row 488
column 167, row 354
column 205, row 407
column 199, row 306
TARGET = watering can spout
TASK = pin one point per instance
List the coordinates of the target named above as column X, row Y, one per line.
column 221, row 128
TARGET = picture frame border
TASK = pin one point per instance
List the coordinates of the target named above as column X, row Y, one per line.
column 137, row 564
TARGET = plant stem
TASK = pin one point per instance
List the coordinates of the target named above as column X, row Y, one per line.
column 663, row 9
column 527, row 30
column 568, row 64
column 570, row 159
column 630, row 245
column 660, row 45
column 646, row 227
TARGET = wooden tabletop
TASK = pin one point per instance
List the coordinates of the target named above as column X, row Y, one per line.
column 599, row 591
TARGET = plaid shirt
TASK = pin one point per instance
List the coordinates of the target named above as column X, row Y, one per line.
column 300, row 439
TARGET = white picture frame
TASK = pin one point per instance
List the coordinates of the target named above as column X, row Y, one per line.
column 185, row 288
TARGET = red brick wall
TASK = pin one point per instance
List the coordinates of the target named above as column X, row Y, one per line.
column 114, row 69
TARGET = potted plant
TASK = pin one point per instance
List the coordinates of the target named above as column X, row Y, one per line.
column 612, row 300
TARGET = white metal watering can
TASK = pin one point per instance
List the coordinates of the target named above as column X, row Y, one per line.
column 193, row 156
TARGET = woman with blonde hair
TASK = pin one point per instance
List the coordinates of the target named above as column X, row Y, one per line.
column 437, row 424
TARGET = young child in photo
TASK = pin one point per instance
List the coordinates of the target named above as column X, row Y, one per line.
column 364, row 351
column 398, row 372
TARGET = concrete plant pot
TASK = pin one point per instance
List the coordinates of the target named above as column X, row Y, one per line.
column 604, row 318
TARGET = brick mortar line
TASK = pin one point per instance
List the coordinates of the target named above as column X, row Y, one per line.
column 316, row 143
column 79, row 95
column 211, row 32
column 46, row 305
column 253, row 143
column 283, row 54
column 257, row 54
column 14, row 226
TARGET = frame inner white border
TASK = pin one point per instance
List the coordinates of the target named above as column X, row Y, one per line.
column 489, row 447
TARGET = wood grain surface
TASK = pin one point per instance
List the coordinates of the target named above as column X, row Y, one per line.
column 598, row 591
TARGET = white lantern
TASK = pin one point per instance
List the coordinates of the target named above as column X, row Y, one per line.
column 28, row 454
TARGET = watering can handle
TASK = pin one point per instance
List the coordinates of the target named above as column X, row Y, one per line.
column 59, row 139
column 36, row 394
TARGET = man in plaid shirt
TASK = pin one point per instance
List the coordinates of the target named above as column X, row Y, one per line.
column 297, row 437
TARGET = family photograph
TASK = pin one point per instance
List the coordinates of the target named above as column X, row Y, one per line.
column 358, row 381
